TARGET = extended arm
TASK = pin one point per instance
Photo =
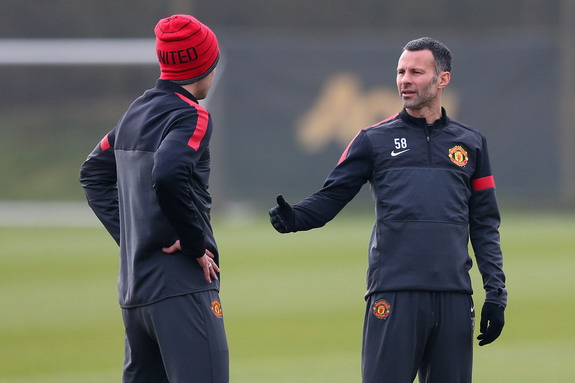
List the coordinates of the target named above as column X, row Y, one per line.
column 351, row 173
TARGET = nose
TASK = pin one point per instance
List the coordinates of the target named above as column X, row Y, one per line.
column 405, row 78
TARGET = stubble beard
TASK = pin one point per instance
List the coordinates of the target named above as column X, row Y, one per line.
column 425, row 96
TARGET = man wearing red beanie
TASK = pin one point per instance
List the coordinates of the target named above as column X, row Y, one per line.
column 147, row 182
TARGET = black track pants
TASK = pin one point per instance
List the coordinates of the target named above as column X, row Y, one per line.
column 426, row 333
column 177, row 340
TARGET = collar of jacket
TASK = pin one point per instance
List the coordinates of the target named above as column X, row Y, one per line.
column 168, row 86
column 421, row 122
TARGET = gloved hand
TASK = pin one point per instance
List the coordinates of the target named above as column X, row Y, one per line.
column 492, row 321
column 282, row 216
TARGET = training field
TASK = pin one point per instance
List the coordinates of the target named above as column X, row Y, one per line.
column 293, row 304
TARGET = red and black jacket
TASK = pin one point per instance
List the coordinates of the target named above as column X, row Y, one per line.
column 433, row 190
column 147, row 181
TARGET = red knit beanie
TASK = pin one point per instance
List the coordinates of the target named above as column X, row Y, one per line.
column 187, row 49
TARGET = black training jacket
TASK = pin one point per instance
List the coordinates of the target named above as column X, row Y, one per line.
column 147, row 181
column 433, row 190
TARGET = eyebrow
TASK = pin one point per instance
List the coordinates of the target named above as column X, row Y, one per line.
column 411, row 69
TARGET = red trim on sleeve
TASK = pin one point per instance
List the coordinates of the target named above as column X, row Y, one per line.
column 105, row 143
column 483, row 183
column 344, row 154
column 201, row 125
column 387, row 119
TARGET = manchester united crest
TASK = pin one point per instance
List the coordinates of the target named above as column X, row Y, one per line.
column 458, row 156
column 381, row 309
column 217, row 308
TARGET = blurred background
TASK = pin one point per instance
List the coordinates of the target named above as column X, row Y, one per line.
column 297, row 80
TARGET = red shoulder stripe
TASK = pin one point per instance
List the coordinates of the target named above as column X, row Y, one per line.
column 387, row 119
column 483, row 183
column 344, row 154
column 105, row 143
column 201, row 125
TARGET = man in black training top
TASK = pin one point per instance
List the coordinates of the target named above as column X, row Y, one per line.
column 433, row 189
column 147, row 181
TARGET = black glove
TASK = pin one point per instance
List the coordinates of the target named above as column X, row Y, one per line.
column 492, row 321
column 282, row 216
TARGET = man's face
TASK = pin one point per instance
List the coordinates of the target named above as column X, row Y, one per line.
column 417, row 81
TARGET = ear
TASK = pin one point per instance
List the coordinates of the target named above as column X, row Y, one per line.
column 444, row 79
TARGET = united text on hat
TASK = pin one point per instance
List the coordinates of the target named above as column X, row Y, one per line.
column 181, row 56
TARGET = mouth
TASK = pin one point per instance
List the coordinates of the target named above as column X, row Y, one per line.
column 407, row 92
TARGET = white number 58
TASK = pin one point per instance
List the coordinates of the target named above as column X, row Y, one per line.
column 400, row 143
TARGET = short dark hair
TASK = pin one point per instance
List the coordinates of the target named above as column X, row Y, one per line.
column 441, row 53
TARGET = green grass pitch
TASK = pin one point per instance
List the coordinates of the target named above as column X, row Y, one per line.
column 293, row 304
